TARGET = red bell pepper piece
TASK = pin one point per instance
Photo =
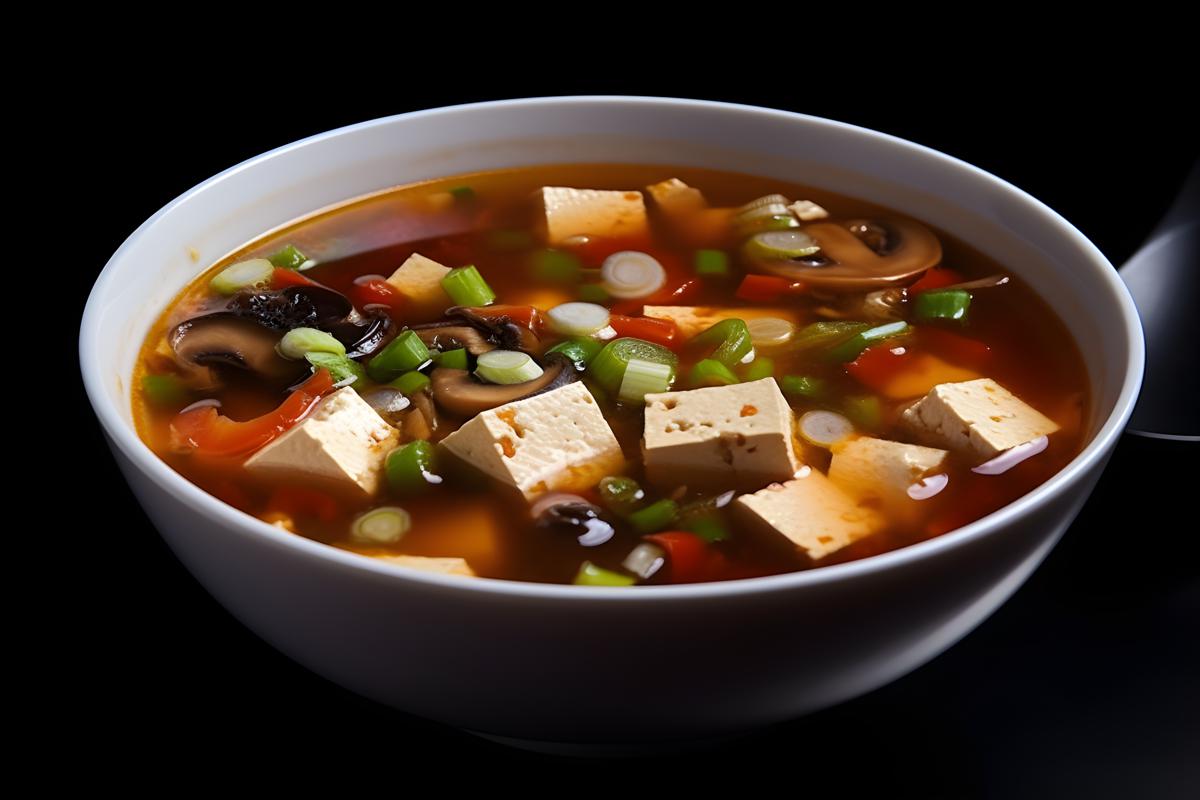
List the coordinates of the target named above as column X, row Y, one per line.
column 936, row 278
column 373, row 290
column 528, row 316
column 767, row 288
column 876, row 366
column 283, row 278
column 954, row 347
column 690, row 559
column 297, row 501
column 650, row 329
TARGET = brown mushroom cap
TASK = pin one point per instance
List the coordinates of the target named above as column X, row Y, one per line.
column 863, row 263
column 458, row 391
column 226, row 339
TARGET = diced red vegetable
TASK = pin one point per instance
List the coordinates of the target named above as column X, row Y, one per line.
column 936, row 278
column 767, row 288
column 650, row 329
column 377, row 291
column 877, row 366
column 298, row 501
column 690, row 559
column 283, row 278
column 209, row 433
column 953, row 347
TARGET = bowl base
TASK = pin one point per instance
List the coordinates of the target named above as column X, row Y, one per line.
column 612, row 749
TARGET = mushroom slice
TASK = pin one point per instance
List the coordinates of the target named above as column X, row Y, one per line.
column 862, row 255
column 226, row 339
column 451, row 336
column 457, row 390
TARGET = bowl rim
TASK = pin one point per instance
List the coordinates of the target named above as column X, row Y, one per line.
column 125, row 437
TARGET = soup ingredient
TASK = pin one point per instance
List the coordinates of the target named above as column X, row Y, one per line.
column 412, row 467
column 609, row 366
column 578, row 319
column 223, row 339
column 808, row 512
column 711, row 263
column 942, row 304
column 645, row 560
column 644, row 377
column 345, row 372
column 805, row 386
column 298, row 342
column 342, row 443
column 383, row 525
column 691, row 320
column 595, row 212
column 243, row 275
column 979, row 418
column 720, row 437
column 655, row 516
column 825, row 428
column 631, row 274
column 770, row 332
column 807, row 210
column 446, row 566
column 849, row 349
column 710, row 372
column 290, row 258
column 649, row 329
column 506, row 367
column 457, row 392
column 410, row 383
column 620, row 494
column 164, row 390
column 403, row 354
column 558, row 440
column 780, row 245
column 883, row 471
column 728, row 342
column 591, row 575
column 675, row 198
column 467, row 287
column 420, row 280
column 580, row 351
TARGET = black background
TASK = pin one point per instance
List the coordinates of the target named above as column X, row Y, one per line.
column 1085, row 684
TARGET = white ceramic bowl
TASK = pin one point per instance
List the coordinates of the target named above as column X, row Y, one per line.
column 603, row 666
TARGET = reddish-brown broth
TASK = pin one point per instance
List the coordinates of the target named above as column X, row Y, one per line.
column 1032, row 355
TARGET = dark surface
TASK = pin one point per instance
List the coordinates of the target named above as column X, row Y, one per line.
column 1085, row 684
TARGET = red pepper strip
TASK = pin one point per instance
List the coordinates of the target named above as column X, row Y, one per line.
column 935, row 279
column 650, row 329
column 211, row 434
column 283, row 278
column 528, row 316
column 597, row 248
column 877, row 366
column 690, row 559
column 953, row 347
column 376, row 291
column 299, row 502
column 684, row 294
column 767, row 288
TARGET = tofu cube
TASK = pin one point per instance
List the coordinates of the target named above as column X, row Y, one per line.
column 557, row 440
column 342, row 442
column 446, row 566
column 979, row 418
column 675, row 197
column 722, row 437
column 878, row 470
column 693, row 319
column 573, row 212
column 420, row 280
column 809, row 513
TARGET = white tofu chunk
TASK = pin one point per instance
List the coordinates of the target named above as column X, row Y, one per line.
column 446, row 566
column 809, row 513
column 807, row 210
column 693, row 319
column 553, row 441
column 420, row 280
column 573, row 212
column 675, row 197
column 342, row 442
column 721, row 437
column 882, row 471
column 979, row 418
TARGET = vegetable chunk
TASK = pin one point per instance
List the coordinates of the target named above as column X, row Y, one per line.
column 573, row 212
column 420, row 280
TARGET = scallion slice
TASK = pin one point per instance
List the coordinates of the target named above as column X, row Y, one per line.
column 581, row 351
column 386, row 525
column 779, row 245
column 949, row 304
column 642, row 378
column 802, row 386
column 654, row 517
column 711, row 263
column 577, row 319
column 403, row 354
column 412, row 467
column 621, row 494
column 344, row 371
column 506, row 367
column 467, row 287
column 825, row 428
column 608, row 367
column 298, row 342
column 591, row 575
column 410, row 383
column 853, row 347
column 242, row 275
column 710, row 372
column 645, row 560
column 759, row 368
column 630, row 274
column 765, row 200
column 728, row 341
column 770, row 331
column 289, row 258
column 454, row 359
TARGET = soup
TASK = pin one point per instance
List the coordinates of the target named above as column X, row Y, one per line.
column 611, row 375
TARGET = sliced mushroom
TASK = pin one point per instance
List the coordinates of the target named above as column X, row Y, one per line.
column 315, row 307
column 862, row 255
column 453, row 336
column 459, row 392
column 225, row 339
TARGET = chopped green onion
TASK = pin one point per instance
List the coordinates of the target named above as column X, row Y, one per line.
column 865, row 411
column 765, row 200
column 555, row 265
column 708, row 528
column 767, row 222
column 642, row 378
column 645, row 560
column 780, row 245
column 462, row 193
column 729, row 341
column 410, row 383
column 506, row 367
column 467, row 287
column 298, row 342
column 620, row 494
column 710, row 372
column 403, row 354
column 412, row 467
column 591, row 575
column 454, row 359
column 386, row 525
column 164, row 390
column 654, row 517
column 943, row 304
column 581, row 351
column 593, row 293
column 608, row 367
column 770, row 331
column 288, row 258
column 759, row 368
column 824, row 428
column 577, row 319
column 802, row 386
column 852, row 347
column 826, row 334
column 341, row 368
column 243, row 274
column 711, row 262
column 631, row 274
